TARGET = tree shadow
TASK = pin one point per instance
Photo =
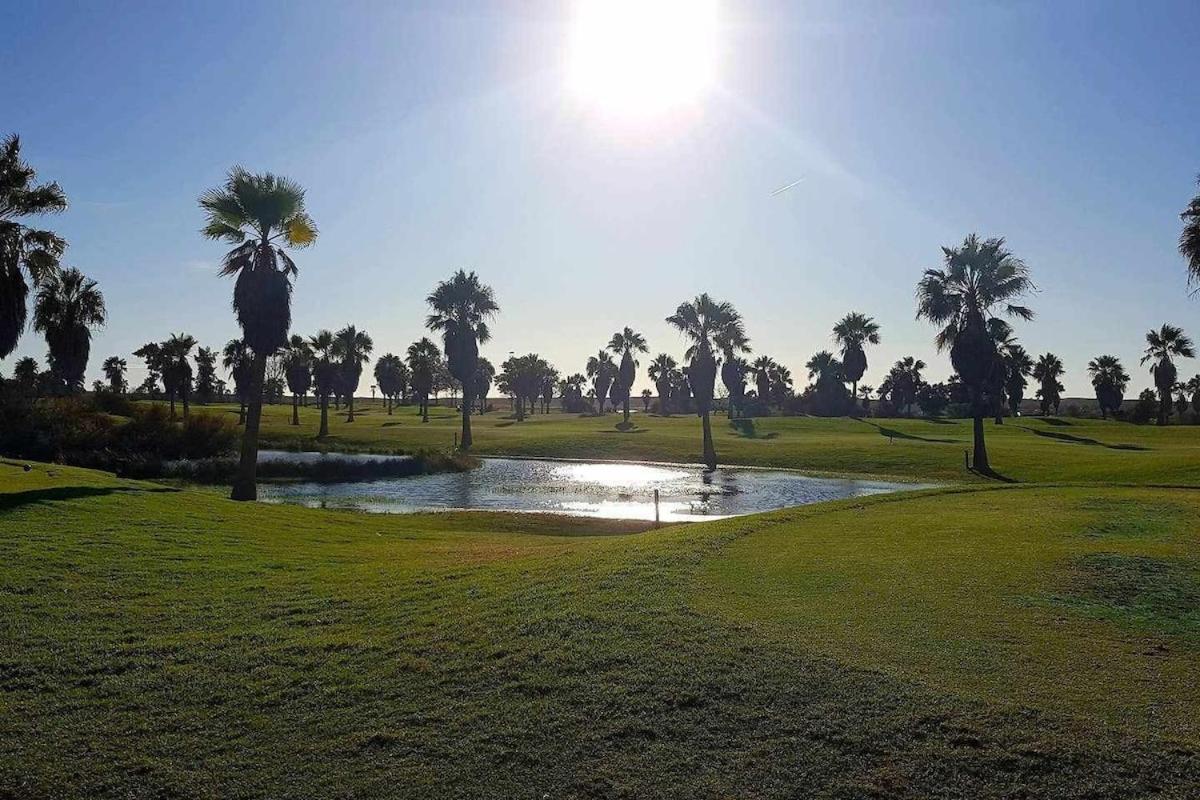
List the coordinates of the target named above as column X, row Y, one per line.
column 940, row 421
column 744, row 426
column 1067, row 437
column 892, row 433
column 1053, row 421
column 390, row 424
column 993, row 475
column 14, row 500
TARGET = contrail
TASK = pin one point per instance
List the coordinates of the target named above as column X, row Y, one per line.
column 783, row 189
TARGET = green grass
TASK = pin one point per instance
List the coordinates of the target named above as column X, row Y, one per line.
column 1011, row 642
column 1030, row 449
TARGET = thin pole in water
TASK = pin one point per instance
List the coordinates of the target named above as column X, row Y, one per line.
column 656, row 508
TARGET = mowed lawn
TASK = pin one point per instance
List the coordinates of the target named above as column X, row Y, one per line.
column 970, row 642
column 1028, row 449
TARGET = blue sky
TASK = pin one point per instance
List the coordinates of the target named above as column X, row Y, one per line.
column 442, row 135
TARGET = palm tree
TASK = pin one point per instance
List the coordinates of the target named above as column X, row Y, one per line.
column 481, row 384
column 852, row 333
column 389, row 374
column 1109, row 379
column 977, row 279
column 763, row 367
column 67, row 308
column 1047, row 371
column 824, row 366
column 25, row 373
column 462, row 307
column 177, row 372
column 602, row 371
column 238, row 361
column 206, row 375
column 325, row 374
column 1162, row 346
column 865, row 393
column 1192, row 387
column 423, row 358
column 298, row 371
column 625, row 343
column 260, row 214
column 114, row 372
column 352, row 348
column 706, row 323
column 1189, row 240
column 663, row 371
column 24, row 251
column 731, row 345
column 902, row 383
column 1017, row 367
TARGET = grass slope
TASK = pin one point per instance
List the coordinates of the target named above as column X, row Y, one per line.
column 1029, row 449
column 159, row 643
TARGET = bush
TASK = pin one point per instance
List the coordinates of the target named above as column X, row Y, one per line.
column 112, row 403
column 206, row 436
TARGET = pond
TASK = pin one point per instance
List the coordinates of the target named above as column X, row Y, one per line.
column 595, row 489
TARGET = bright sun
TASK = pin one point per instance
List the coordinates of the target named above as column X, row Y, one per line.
column 642, row 57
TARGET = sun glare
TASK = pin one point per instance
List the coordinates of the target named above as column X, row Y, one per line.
column 642, row 57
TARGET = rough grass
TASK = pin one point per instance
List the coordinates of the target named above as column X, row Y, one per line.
column 159, row 643
column 1077, row 449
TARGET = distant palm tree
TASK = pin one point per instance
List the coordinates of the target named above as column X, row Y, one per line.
column 732, row 345
column 481, row 384
column 25, row 373
column 902, row 383
column 423, row 358
column 260, row 214
column 1109, row 379
column 602, row 371
column 1192, row 387
column 389, row 375
column 24, row 252
column 462, row 307
column 67, row 308
column 1017, row 367
column 1189, row 240
column 663, row 371
column 1047, row 371
column 625, row 343
column 206, row 375
column 647, row 396
column 865, row 393
column 114, row 372
column 325, row 374
column 852, row 333
column 177, row 371
column 1162, row 347
column 824, row 366
column 298, row 371
column 352, row 348
column 238, row 361
column 706, row 322
column 763, row 368
column 977, row 279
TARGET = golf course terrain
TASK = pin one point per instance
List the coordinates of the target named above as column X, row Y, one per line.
column 1039, row 638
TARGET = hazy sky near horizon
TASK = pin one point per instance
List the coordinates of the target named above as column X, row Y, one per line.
column 444, row 135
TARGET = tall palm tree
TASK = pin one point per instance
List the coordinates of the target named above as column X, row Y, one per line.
column 352, row 348
column 1017, row 367
column 852, row 333
column 389, row 374
column 298, row 371
column 177, row 371
column 481, row 384
column 732, row 345
column 423, row 358
column 238, row 361
column 1189, row 240
column 602, row 371
column 705, row 322
column 67, row 308
column 662, row 371
column 462, row 307
column 114, row 372
column 978, row 279
column 625, row 343
column 763, row 367
column 1109, row 379
column 260, row 214
column 1048, row 369
column 1162, row 347
column 325, row 374
column 24, row 251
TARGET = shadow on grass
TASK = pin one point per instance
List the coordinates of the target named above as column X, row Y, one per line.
column 745, row 427
column 1067, row 437
column 1053, row 421
column 892, row 433
column 991, row 474
column 631, row 430
column 14, row 500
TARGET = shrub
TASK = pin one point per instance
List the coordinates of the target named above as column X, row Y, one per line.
column 206, row 436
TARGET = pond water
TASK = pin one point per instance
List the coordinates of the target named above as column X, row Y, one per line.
column 596, row 489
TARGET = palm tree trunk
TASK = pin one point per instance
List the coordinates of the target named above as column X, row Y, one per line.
column 1164, row 407
column 295, row 409
column 854, row 395
column 350, row 407
column 241, row 412
column 710, row 452
column 980, row 460
column 172, row 397
column 324, row 430
column 186, row 408
column 425, row 408
column 244, row 485
column 625, row 408
column 465, row 441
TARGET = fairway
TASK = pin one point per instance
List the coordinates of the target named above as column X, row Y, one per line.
column 1026, row 449
column 159, row 642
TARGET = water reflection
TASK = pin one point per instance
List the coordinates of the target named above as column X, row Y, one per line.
column 617, row 491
